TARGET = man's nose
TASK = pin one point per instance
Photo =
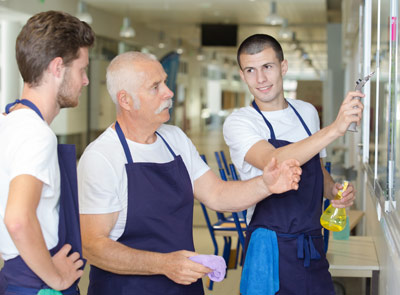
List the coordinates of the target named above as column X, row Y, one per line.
column 261, row 77
column 168, row 93
column 85, row 80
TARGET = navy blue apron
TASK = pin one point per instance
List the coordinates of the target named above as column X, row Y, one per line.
column 16, row 274
column 159, row 219
column 294, row 216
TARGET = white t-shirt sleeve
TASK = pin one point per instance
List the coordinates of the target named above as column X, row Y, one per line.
column 97, row 184
column 33, row 149
column 197, row 166
column 240, row 134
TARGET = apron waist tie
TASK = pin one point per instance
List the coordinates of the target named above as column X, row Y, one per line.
column 305, row 246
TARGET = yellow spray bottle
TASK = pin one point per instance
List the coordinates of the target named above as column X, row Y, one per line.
column 334, row 219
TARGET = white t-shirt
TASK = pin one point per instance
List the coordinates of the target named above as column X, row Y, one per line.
column 245, row 127
column 29, row 146
column 102, row 179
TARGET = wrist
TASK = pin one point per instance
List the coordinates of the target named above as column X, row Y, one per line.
column 160, row 264
column 54, row 280
column 332, row 132
column 264, row 189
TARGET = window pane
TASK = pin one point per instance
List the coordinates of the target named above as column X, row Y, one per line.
column 384, row 93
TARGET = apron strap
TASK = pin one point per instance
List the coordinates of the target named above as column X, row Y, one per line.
column 271, row 130
column 127, row 151
column 25, row 102
column 166, row 143
column 122, row 139
column 301, row 120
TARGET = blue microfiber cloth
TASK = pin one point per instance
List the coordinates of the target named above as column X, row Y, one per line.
column 260, row 274
column 216, row 263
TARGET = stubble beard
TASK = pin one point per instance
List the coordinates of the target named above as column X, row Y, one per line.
column 65, row 96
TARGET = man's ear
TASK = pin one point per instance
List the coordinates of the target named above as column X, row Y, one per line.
column 56, row 67
column 124, row 100
column 284, row 67
column 242, row 75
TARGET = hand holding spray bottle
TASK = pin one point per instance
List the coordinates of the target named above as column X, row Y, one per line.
column 334, row 219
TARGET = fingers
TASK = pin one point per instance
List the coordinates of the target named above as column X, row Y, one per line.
column 351, row 95
column 348, row 196
column 295, row 170
column 65, row 249
column 199, row 268
column 74, row 256
column 78, row 263
column 67, row 266
column 291, row 163
column 180, row 269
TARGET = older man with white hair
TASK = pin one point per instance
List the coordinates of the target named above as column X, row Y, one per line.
column 137, row 183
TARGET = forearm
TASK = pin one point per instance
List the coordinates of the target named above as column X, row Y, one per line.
column 305, row 149
column 27, row 236
column 234, row 196
column 117, row 258
column 328, row 185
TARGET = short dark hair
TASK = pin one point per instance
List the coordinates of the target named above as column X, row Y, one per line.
column 48, row 35
column 257, row 43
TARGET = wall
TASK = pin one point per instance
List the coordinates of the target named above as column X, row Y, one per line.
column 389, row 283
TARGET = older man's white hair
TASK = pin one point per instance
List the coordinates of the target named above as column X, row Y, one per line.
column 121, row 75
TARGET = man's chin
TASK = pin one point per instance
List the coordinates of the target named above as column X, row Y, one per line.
column 69, row 104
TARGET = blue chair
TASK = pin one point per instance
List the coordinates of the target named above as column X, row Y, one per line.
column 218, row 157
column 224, row 161
column 225, row 227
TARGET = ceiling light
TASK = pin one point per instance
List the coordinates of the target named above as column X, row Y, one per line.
column 126, row 30
column 161, row 44
column 285, row 32
column 273, row 18
column 83, row 14
column 179, row 50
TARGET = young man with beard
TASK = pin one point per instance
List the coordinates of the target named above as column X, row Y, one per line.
column 287, row 224
column 39, row 225
column 137, row 184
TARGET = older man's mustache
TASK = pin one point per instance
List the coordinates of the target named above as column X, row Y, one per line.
column 165, row 105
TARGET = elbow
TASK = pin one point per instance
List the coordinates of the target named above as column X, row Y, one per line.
column 92, row 249
column 16, row 224
column 87, row 248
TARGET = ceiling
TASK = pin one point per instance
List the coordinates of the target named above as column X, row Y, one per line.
column 182, row 19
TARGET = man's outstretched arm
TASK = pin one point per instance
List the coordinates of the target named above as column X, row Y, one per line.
column 231, row 196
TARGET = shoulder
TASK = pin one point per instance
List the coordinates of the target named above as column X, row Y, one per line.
column 25, row 127
column 105, row 147
column 240, row 116
column 106, row 140
column 245, row 112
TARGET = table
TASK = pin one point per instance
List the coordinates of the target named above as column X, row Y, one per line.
column 354, row 217
column 355, row 257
